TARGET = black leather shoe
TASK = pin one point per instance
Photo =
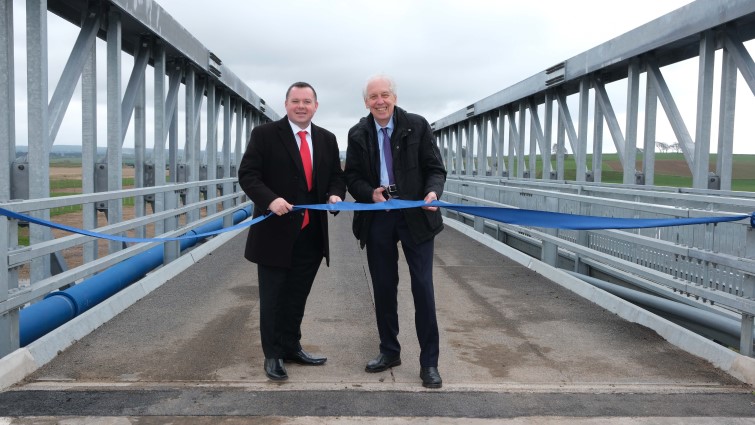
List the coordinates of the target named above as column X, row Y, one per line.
column 275, row 370
column 381, row 363
column 302, row 357
column 430, row 377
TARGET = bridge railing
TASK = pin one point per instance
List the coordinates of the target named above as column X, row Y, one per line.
column 183, row 176
column 501, row 151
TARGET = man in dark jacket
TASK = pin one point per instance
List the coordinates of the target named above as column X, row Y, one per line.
column 391, row 153
column 289, row 162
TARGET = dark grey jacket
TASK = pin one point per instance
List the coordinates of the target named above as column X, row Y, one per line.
column 417, row 167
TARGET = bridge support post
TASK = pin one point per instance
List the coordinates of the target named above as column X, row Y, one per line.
column 9, row 339
column 745, row 338
column 583, row 238
column 172, row 249
column 549, row 253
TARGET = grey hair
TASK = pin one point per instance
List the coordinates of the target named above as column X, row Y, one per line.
column 391, row 84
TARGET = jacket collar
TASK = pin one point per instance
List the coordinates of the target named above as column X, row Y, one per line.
column 400, row 122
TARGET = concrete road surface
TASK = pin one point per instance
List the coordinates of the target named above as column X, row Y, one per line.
column 515, row 348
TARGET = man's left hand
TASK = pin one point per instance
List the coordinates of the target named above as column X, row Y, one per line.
column 332, row 199
column 429, row 198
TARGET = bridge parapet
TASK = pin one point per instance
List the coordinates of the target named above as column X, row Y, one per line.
column 177, row 185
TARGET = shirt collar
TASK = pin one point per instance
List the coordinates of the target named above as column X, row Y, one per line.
column 389, row 126
column 295, row 128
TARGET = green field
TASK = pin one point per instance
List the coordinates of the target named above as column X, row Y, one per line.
column 670, row 170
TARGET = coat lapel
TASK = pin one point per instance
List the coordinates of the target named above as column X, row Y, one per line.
column 318, row 153
column 288, row 140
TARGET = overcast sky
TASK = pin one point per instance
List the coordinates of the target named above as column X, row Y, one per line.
column 443, row 54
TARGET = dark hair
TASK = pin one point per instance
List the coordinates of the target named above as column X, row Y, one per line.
column 301, row 85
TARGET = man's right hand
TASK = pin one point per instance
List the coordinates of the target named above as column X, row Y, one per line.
column 279, row 206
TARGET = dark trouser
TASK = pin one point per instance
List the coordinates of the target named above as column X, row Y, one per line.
column 388, row 228
column 284, row 292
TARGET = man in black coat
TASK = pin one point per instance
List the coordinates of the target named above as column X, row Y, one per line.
column 391, row 153
column 289, row 162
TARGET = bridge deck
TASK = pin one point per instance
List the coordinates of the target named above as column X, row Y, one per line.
column 512, row 344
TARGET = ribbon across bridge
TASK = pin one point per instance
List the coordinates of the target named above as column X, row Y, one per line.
column 520, row 217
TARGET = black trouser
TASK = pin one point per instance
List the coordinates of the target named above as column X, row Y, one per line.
column 388, row 228
column 284, row 292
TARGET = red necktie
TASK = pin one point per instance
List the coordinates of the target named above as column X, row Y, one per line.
column 306, row 161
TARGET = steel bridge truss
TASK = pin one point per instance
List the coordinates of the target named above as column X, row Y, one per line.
column 176, row 189
column 501, row 151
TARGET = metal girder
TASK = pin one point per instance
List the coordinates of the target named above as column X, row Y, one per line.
column 161, row 120
column 741, row 57
column 547, row 136
column 704, row 110
column 39, row 133
column 580, row 154
column 630, row 142
column 501, row 139
column 482, row 145
column 495, row 136
column 114, row 120
column 81, row 51
column 672, row 111
column 670, row 35
column 134, row 86
column 537, row 129
column 469, row 131
column 606, row 109
column 513, row 140
column 521, row 167
column 565, row 119
column 726, row 113
column 7, row 99
column 597, row 138
column 651, row 114
column 461, row 151
column 89, row 145
column 227, row 119
column 171, row 101
column 211, row 149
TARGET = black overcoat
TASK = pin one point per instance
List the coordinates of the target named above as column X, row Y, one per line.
column 271, row 168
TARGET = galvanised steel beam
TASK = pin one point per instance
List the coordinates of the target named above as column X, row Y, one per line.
column 693, row 31
column 671, row 38
column 704, row 110
column 134, row 86
column 9, row 339
column 7, row 99
column 89, row 146
column 147, row 17
column 607, row 112
column 727, row 106
column 597, row 133
column 39, row 133
column 651, row 113
column 633, row 105
column 114, row 157
column 72, row 71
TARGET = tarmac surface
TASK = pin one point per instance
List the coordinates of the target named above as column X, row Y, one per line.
column 515, row 348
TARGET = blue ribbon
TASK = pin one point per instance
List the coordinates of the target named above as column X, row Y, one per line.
column 520, row 217
column 23, row 217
